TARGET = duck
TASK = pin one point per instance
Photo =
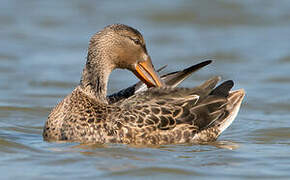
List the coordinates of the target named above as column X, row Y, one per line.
column 152, row 112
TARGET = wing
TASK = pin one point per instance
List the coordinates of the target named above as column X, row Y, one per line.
column 165, row 108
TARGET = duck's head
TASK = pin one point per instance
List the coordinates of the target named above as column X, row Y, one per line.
column 121, row 46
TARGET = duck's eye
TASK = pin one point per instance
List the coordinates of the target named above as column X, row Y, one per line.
column 136, row 41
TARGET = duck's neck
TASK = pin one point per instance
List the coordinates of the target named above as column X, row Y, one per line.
column 95, row 76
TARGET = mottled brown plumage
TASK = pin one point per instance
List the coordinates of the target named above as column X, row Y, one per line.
column 159, row 115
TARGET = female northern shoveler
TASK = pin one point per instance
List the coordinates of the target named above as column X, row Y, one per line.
column 159, row 115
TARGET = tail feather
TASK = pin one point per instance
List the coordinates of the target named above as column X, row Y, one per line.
column 221, row 116
column 223, row 89
column 210, row 84
column 234, row 103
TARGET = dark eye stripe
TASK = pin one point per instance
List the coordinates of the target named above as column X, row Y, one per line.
column 136, row 41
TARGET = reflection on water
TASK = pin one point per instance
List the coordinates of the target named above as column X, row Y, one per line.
column 42, row 52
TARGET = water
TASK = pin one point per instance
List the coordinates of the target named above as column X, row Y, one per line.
column 42, row 51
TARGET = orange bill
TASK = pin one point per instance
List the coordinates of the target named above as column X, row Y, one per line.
column 146, row 73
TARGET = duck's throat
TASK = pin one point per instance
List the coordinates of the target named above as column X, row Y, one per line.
column 95, row 80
